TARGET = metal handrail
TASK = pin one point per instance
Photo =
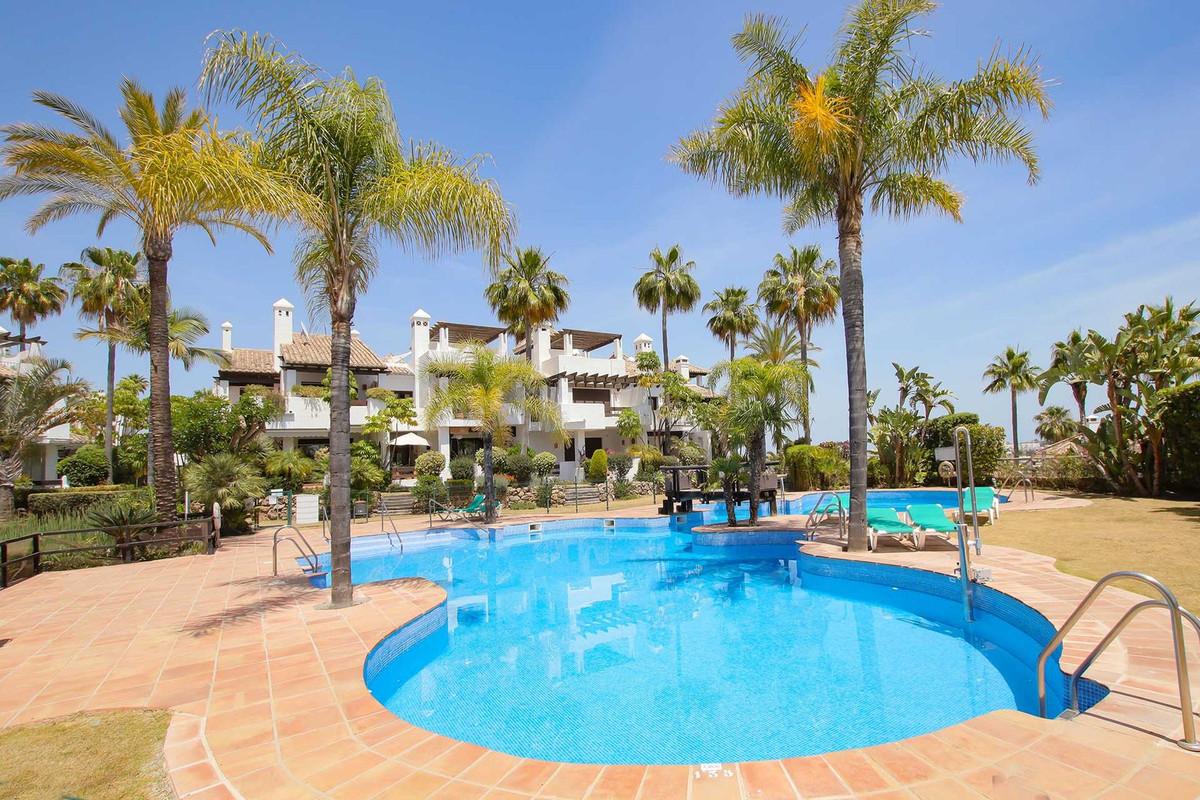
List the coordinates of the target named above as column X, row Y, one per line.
column 1188, row 742
column 812, row 520
column 314, row 562
column 963, row 434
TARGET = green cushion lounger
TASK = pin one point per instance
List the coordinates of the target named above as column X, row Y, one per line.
column 930, row 518
column 473, row 508
column 886, row 522
column 985, row 503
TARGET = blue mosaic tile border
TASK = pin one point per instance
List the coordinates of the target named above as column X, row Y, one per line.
column 402, row 639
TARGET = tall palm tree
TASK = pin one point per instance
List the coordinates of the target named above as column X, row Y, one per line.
column 104, row 282
column 1054, row 424
column 760, row 399
column 802, row 287
column 875, row 128
column 527, row 294
column 930, row 394
column 478, row 383
column 668, row 286
column 733, row 315
column 1014, row 371
column 364, row 183
column 40, row 396
column 26, row 295
column 776, row 343
column 175, row 171
column 1070, row 363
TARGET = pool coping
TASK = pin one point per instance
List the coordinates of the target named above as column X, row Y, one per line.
column 269, row 699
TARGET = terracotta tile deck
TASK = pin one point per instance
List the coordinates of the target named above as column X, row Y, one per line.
column 269, row 700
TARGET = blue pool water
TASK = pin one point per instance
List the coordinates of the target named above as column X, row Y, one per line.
column 597, row 646
column 898, row 499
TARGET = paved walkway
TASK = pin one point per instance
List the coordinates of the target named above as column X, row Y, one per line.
column 270, row 702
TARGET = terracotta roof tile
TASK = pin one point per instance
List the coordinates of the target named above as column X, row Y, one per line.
column 310, row 350
column 247, row 360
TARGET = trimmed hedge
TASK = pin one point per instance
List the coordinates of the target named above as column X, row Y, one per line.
column 23, row 493
column 68, row 501
column 1181, row 436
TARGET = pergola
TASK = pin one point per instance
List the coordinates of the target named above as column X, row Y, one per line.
column 586, row 341
column 460, row 332
column 595, row 380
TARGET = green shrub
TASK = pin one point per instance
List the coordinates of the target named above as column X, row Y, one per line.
column 619, row 466
column 429, row 487
column 499, row 483
column 939, row 429
column 597, row 468
column 690, row 453
column 499, row 460
column 545, row 493
column 522, row 505
column 87, row 467
column 67, row 501
column 462, row 468
column 429, row 464
column 815, row 467
column 1180, row 409
column 988, row 450
column 877, row 474
column 544, row 464
column 651, row 460
column 520, row 466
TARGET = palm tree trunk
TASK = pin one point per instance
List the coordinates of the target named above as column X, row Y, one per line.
column 342, row 590
column 528, row 342
column 21, row 331
column 757, row 450
column 732, row 347
column 1016, row 449
column 805, row 417
column 850, row 268
column 1080, row 392
column 489, row 480
column 109, row 417
column 160, row 385
column 666, row 358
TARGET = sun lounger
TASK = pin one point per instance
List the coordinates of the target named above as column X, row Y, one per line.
column 930, row 518
column 472, row 509
column 886, row 522
column 985, row 503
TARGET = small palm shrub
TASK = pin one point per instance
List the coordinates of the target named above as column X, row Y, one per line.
column 291, row 467
column 228, row 481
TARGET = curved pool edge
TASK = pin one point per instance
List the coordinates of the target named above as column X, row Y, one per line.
column 820, row 556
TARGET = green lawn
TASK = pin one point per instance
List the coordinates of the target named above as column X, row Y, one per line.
column 94, row 756
column 1158, row 537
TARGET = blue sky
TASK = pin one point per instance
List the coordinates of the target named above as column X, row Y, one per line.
column 578, row 105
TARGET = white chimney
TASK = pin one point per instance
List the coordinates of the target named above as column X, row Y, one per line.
column 419, row 343
column 643, row 344
column 684, row 367
column 283, row 324
column 502, row 344
column 617, row 349
column 227, row 336
column 541, row 345
column 568, row 343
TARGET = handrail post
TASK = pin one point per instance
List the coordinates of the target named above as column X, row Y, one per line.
column 961, row 433
column 3, row 565
column 36, row 544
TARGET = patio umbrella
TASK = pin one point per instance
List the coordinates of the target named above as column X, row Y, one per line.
column 400, row 439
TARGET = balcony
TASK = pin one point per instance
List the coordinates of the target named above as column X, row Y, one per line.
column 311, row 413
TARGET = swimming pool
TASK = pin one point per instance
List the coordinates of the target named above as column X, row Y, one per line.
column 619, row 644
column 898, row 499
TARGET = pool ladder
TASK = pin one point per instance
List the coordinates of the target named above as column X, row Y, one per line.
column 1178, row 615
column 819, row 515
column 302, row 546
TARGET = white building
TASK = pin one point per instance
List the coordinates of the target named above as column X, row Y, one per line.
column 588, row 376
column 41, row 464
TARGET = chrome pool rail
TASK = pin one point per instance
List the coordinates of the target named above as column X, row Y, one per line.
column 310, row 556
column 1178, row 615
column 819, row 515
column 962, row 434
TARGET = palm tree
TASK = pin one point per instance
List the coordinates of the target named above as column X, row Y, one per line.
column 760, row 399
column 1054, row 424
column 185, row 327
column 930, row 394
column 667, row 286
column 104, row 282
column 527, row 294
column 176, row 171
column 873, row 128
column 227, row 480
column 364, row 183
column 290, row 466
column 478, row 383
column 26, row 295
column 1070, row 363
column 1012, row 370
column 39, row 396
column 802, row 287
column 776, row 343
column 733, row 315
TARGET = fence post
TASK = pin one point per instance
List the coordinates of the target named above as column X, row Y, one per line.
column 37, row 553
column 3, row 565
